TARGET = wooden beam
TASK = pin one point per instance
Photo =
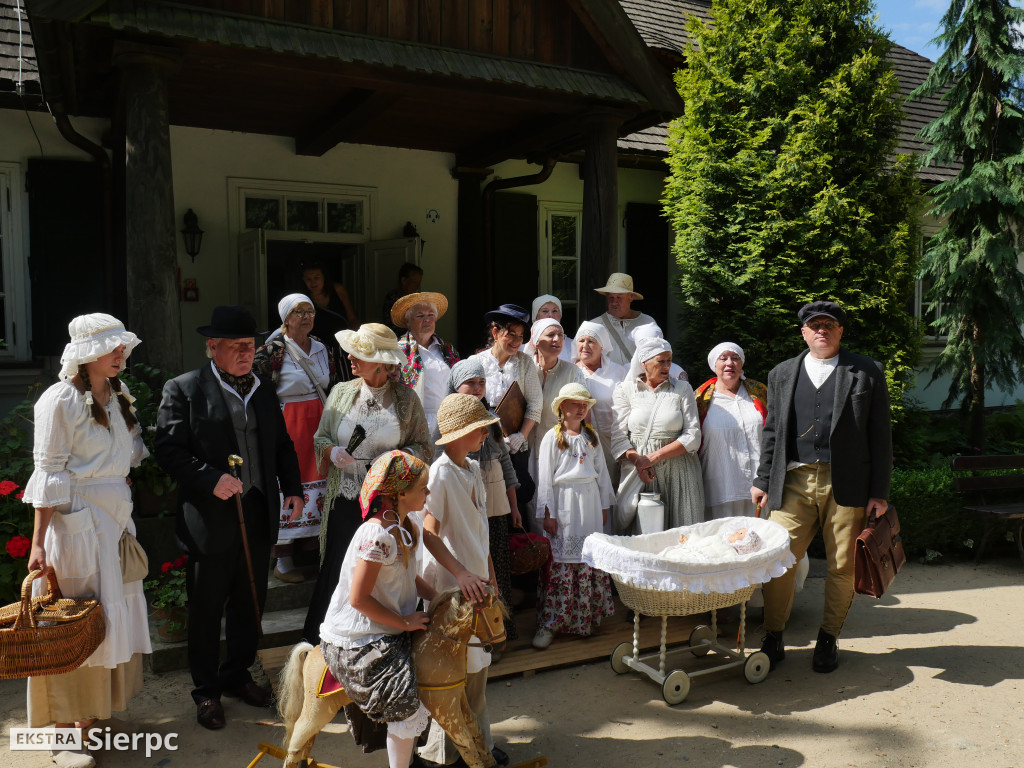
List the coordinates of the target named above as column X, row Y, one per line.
column 354, row 110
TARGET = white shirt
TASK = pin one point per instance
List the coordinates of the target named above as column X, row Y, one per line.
column 621, row 330
column 676, row 417
column 395, row 587
column 293, row 384
column 818, row 370
column 601, row 384
column 730, row 447
column 433, row 381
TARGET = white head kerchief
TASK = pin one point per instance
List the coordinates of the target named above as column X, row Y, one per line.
column 540, row 301
column 92, row 337
column 290, row 302
column 725, row 346
column 645, row 350
column 539, row 327
column 646, row 331
column 594, row 331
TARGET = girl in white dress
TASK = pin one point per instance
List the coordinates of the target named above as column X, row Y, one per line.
column 87, row 438
column 573, row 497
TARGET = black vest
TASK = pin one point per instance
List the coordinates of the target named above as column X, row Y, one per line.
column 247, row 433
column 810, row 419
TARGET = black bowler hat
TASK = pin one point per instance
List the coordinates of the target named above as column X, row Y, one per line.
column 507, row 312
column 821, row 309
column 230, row 322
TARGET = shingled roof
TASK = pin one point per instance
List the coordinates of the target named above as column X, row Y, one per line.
column 17, row 53
column 662, row 24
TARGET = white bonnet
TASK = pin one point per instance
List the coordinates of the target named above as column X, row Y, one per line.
column 540, row 301
column 725, row 346
column 290, row 302
column 539, row 327
column 92, row 337
column 646, row 331
column 645, row 350
column 595, row 331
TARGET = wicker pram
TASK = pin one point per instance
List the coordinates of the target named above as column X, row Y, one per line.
column 653, row 585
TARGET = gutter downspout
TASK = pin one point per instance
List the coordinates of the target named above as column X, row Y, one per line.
column 488, row 206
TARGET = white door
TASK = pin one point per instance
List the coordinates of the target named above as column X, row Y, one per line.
column 252, row 271
column 383, row 259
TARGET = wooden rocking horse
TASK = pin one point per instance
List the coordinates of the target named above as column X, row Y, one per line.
column 439, row 657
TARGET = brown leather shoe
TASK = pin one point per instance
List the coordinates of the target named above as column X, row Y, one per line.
column 252, row 695
column 210, row 714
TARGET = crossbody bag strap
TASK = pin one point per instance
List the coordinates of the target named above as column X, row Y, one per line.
column 294, row 352
column 617, row 337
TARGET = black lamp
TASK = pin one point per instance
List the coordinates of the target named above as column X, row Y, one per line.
column 192, row 234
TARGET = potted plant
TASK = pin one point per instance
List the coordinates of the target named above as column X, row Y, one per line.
column 169, row 600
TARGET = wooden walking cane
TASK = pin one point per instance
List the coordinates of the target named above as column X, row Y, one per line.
column 234, row 462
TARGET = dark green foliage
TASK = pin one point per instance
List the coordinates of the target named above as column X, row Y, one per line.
column 973, row 261
column 784, row 187
column 932, row 522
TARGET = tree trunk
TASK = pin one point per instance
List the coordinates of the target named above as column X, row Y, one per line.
column 976, row 408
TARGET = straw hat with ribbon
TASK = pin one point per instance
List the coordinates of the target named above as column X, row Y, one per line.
column 619, row 282
column 404, row 304
column 372, row 343
column 458, row 415
column 92, row 337
column 573, row 391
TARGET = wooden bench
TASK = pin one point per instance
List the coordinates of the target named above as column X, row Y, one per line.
column 985, row 485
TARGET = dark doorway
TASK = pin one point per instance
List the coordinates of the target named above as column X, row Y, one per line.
column 647, row 259
column 342, row 262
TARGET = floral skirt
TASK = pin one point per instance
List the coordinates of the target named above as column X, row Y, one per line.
column 574, row 599
column 498, row 528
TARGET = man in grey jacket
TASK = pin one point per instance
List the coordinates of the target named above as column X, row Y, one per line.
column 826, row 462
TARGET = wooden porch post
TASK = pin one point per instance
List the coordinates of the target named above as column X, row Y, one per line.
column 150, row 235
column 599, row 242
column 471, row 276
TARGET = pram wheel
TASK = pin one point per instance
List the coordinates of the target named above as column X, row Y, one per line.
column 757, row 666
column 621, row 651
column 701, row 634
column 676, row 687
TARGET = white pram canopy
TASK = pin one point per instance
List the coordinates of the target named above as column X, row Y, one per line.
column 635, row 559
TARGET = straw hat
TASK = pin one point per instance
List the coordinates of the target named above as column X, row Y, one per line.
column 372, row 343
column 573, row 392
column 619, row 282
column 458, row 415
column 92, row 337
column 404, row 304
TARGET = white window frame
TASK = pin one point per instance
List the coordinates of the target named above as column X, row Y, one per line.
column 239, row 188
column 15, row 326
column 547, row 209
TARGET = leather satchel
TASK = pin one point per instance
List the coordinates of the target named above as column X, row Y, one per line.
column 511, row 409
column 879, row 555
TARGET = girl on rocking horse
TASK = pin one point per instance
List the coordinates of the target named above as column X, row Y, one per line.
column 365, row 634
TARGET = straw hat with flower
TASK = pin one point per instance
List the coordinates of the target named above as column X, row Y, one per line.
column 404, row 304
column 372, row 343
column 458, row 415
column 573, row 392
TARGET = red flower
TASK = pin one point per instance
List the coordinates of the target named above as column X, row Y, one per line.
column 180, row 561
column 8, row 487
column 18, row 546
column 165, row 568
column 19, row 495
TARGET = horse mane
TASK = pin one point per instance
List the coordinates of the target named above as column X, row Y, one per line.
column 456, row 610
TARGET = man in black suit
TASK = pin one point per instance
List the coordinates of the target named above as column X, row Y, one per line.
column 205, row 416
column 826, row 461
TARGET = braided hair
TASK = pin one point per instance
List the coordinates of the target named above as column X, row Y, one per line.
column 585, row 428
column 99, row 413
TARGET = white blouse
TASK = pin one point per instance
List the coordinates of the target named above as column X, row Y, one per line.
column 395, row 587
column 621, row 330
column 433, row 382
column 675, row 417
column 519, row 368
column 730, row 447
column 383, row 432
column 293, row 384
column 70, row 445
column 601, row 384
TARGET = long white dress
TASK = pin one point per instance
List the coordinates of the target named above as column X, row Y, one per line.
column 729, row 451
column 573, row 487
column 601, row 384
column 81, row 469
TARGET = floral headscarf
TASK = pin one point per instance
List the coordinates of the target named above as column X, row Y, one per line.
column 390, row 474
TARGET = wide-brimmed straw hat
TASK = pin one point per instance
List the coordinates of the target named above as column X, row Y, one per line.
column 619, row 282
column 458, row 415
column 372, row 343
column 404, row 304
column 573, row 392
column 230, row 322
column 92, row 337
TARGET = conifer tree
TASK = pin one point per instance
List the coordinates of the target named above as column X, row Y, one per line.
column 974, row 259
column 785, row 185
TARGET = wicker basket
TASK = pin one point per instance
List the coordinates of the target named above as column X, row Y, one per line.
column 656, row 602
column 528, row 552
column 48, row 635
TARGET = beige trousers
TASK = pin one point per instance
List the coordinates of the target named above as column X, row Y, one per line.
column 439, row 748
column 807, row 505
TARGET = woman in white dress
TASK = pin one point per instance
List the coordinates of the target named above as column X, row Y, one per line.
column 657, row 430
column 602, row 376
column 303, row 370
column 391, row 418
column 87, row 438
